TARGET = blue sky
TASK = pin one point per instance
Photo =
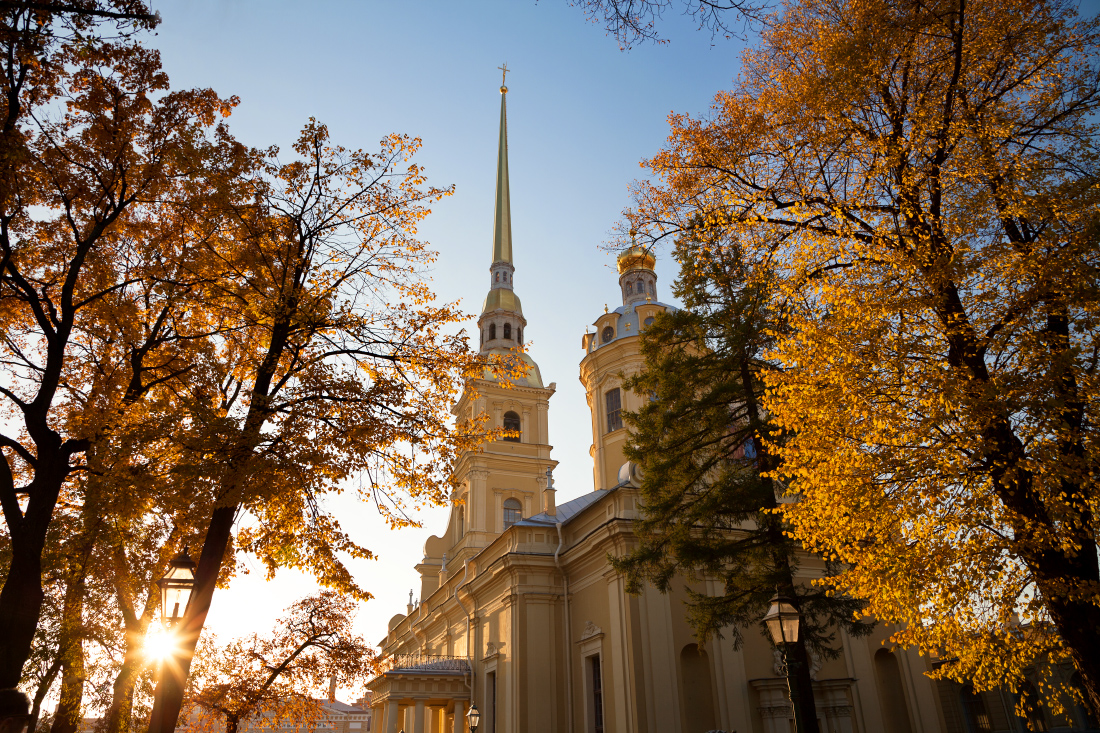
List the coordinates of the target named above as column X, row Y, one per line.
column 581, row 115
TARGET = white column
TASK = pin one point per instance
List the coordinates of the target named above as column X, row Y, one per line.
column 460, row 716
column 418, row 717
column 391, row 716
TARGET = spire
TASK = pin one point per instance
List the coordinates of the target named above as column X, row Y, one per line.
column 502, row 221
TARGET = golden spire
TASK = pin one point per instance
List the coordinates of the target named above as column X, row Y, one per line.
column 502, row 222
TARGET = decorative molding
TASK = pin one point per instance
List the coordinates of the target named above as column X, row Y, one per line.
column 591, row 631
column 492, row 650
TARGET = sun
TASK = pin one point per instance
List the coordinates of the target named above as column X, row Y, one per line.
column 159, row 645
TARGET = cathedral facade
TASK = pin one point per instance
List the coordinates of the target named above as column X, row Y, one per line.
column 520, row 613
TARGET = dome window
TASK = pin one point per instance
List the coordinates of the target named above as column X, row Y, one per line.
column 519, row 335
column 608, row 334
column 649, row 321
column 492, row 331
column 629, row 288
column 513, row 512
column 508, row 331
column 497, row 278
column 511, row 423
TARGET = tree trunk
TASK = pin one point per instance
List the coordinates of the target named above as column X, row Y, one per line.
column 168, row 699
column 232, row 723
column 22, row 596
column 68, row 716
column 120, row 715
column 41, row 692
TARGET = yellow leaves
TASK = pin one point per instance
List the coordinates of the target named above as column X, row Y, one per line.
column 887, row 209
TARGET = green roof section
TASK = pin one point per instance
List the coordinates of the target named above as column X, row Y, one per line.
column 502, row 222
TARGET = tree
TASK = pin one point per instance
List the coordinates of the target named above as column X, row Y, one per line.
column 275, row 677
column 72, row 184
column 635, row 21
column 706, row 447
column 921, row 178
column 340, row 365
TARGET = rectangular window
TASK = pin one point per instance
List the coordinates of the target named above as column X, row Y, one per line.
column 614, row 410
column 491, row 693
column 595, row 679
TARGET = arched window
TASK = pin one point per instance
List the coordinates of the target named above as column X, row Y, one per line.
column 641, row 287
column 629, row 288
column 492, row 331
column 974, row 711
column 519, row 335
column 1028, row 695
column 461, row 522
column 513, row 512
column 511, row 422
column 608, row 334
column 698, row 702
column 888, row 676
column 497, row 278
column 653, row 288
column 614, row 410
column 508, row 331
column 1086, row 719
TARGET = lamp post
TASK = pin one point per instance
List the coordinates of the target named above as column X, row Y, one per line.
column 783, row 620
column 175, row 595
column 176, row 587
column 473, row 717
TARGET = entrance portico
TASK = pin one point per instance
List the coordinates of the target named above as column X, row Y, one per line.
column 421, row 694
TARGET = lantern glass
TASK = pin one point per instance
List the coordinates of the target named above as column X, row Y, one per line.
column 782, row 621
column 176, row 587
column 474, row 717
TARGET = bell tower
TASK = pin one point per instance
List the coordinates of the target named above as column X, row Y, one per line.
column 509, row 479
column 614, row 350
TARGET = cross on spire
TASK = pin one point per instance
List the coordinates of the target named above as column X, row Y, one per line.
column 503, row 73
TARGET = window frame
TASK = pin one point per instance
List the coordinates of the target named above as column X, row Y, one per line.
column 613, row 414
column 506, row 510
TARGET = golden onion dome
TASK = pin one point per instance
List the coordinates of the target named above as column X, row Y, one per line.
column 636, row 257
column 502, row 299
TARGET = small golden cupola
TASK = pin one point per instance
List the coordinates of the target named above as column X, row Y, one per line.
column 637, row 277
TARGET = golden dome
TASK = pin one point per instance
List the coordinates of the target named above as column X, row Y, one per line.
column 533, row 376
column 502, row 299
column 636, row 258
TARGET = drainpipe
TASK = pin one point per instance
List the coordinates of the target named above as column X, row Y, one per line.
column 568, row 661
column 469, row 662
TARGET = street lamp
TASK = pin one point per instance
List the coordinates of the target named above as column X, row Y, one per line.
column 474, row 717
column 782, row 620
column 176, row 587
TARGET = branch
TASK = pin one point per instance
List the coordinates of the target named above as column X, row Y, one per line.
column 62, row 8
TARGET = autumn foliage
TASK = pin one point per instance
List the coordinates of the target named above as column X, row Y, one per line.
column 201, row 342
column 917, row 182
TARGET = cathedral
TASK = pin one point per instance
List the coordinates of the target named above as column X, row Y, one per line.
column 521, row 615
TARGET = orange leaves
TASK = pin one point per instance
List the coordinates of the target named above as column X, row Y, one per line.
column 910, row 181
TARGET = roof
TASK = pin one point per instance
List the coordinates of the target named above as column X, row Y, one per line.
column 502, row 299
column 628, row 315
column 342, row 707
column 566, row 511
